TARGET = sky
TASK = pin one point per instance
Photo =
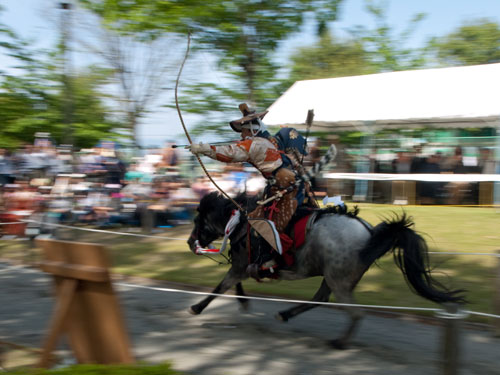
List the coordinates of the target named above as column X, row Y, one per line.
column 37, row 20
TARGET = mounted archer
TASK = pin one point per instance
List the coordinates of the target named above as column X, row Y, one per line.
column 278, row 159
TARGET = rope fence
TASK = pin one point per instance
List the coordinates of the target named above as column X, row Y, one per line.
column 282, row 300
column 95, row 230
column 497, row 255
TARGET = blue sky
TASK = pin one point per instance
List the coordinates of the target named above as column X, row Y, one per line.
column 37, row 19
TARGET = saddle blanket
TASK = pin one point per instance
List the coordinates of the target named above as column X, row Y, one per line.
column 299, row 230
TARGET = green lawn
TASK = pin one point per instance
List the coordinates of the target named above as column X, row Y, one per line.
column 447, row 229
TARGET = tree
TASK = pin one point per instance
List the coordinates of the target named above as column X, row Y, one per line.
column 330, row 58
column 32, row 96
column 143, row 63
column 242, row 34
column 27, row 108
column 475, row 42
column 387, row 52
column 367, row 51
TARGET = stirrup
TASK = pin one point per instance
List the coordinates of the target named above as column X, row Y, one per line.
column 269, row 265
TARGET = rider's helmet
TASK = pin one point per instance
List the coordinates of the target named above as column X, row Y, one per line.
column 250, row 120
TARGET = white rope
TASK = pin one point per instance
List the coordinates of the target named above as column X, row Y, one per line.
column 483, row 314
column 185, row 239
column 462, row 253
column 278, row 299
column 104, row 231
column 9, row 268
column 269, row 299
column 405, row 308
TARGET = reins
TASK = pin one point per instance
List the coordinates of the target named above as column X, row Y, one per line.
column 228, row 261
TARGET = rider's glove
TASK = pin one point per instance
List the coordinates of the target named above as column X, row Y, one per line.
column 200, row 148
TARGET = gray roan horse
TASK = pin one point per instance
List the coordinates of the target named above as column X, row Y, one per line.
column 340, row 246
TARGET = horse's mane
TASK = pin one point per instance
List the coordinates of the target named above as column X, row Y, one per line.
column 215, row 202
column 340, row 210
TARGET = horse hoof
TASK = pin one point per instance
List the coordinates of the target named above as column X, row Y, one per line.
column 193, row 310
column 338, row 344
column 281, row 317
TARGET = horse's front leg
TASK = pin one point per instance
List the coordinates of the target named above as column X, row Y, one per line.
column 244, row 302
column 229, row 280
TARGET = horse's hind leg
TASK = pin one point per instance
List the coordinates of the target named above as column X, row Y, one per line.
column 343, row 294
column 229, row 280
column 321, row 295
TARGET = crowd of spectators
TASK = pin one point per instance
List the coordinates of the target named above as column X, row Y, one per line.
column 103, row 187
column 435, row 162
column 98, row 187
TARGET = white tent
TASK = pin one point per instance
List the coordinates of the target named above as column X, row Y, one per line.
column 446, row 97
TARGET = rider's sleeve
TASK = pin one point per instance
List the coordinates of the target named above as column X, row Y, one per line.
column 233, row 153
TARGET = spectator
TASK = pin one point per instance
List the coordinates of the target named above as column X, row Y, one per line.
column 6, row 168
column 401, row 163
column 486, row 164
column 429, row 190
column 417, row 160
column 457, row 190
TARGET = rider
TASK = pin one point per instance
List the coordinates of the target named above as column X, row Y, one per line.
column 260, row 149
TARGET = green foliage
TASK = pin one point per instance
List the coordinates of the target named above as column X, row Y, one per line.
column 28, row 105
column 387, row 52
column 164, row 369
column 475, row 42
column 242, row 34
column 32, row 99
column 330, row 58
column 367, row 51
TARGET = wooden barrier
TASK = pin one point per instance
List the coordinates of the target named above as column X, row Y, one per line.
column 86, row 309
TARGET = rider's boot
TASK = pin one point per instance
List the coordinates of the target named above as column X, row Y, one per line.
column 266, row 264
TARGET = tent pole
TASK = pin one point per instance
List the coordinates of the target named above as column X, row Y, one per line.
column 363, row 188
column 496, row 186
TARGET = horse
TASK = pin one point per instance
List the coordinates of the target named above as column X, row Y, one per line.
column 340, row 246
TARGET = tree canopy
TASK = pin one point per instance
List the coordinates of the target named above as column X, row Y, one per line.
column 474, row 42
column 329, row 58
column 242, row 34
column 32, row 97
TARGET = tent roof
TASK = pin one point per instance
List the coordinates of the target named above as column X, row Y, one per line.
column 446, row 97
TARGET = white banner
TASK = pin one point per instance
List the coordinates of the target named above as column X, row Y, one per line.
column 444, row 177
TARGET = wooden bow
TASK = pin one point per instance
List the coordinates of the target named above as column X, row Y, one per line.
column 186, row 131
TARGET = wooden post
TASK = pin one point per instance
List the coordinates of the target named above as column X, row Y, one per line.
column 452, row 317
column 403, row 192
column 86, row 308
column 496, row 299
column 486, row 193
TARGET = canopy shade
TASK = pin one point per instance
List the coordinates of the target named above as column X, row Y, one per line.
column 458, row 97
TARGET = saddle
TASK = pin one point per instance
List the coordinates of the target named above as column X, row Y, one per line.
column 260, row 251
column 302, row 222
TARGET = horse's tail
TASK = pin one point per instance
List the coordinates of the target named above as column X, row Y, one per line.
column 411, row 256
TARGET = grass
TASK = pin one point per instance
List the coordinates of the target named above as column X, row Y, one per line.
column 140, row 369
column 446, row 229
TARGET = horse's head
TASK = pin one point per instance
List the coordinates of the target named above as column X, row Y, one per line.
column 210, row 222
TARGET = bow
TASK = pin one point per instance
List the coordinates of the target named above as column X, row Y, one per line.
column 186, row 131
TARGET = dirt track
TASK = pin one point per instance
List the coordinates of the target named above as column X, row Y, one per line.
column 225, row 341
